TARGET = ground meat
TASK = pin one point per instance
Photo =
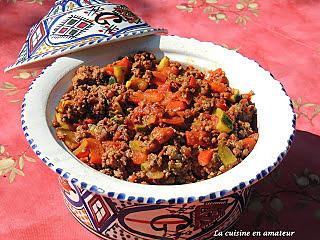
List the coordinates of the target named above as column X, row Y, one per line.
column 82, row 131
column 89, row 75
column 190, row 70
column 204, row 103
column 148, row 76
column 204, row 122
column 105, row 129
column 143, row 116
column 142, row 62
column 116, row 158
column 204, row 88
column 169, row 126
column 244, row 129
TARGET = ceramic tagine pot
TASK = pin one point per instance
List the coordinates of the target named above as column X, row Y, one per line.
column 91, row 32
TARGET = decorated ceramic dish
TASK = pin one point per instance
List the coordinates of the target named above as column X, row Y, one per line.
column 117, row 209
column 73, row 25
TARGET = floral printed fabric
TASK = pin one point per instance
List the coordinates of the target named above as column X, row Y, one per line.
column 281, row 35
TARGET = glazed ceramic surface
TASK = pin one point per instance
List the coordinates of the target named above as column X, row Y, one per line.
column 73, row 25
column 111, row 218
column 153, row 204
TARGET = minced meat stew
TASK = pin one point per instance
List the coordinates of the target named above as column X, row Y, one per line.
column 156, row 122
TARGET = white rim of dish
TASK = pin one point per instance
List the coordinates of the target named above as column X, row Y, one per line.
column 38, row 135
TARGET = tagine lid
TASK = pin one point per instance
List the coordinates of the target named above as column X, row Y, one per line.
column 74, row 25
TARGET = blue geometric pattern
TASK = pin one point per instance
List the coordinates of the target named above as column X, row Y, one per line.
column 110, row 217
column 73, row 25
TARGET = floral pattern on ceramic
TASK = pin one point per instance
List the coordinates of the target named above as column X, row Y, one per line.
column 73, row 25
column 111, row 218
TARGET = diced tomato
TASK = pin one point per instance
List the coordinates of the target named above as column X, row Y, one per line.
column 174, row 70
column 153, row 95
column 139, row 157
column 167, row 96
column 177, row 96
column 162, row 135
column 109, row 69
column 90, row 147
column 132, row 178
column 221, row 103
column 193, row 82
column 176, row 106
column 136, row 97
column 218, row 87
column 197, row 138
column 125, row 62
column 249, row 143
column 164, row 87
column 205, row 157
column 159, row 78
column 150, row 96
column 88, row 121
column 95, row 150
column 176, row 121
column 114, row 144
column 248, row 95
column 217, row 72
column 217, row 75
column 167, row 70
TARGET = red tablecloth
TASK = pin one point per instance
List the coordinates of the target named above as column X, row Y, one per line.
column 282, row 35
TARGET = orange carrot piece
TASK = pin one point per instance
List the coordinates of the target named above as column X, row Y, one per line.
column 82, row 150
column 167, row 70
column 205, row 157
column 197, row 138
column 193, row 82
column 176, row 121
column 221, row 103
column 150, row 96
column 217, row 87
column 162, row 135
column 248, row 95
column 139, row 157
column 90, row 147
column 166, row 87
column 132, row 178
column 125, row 62
column 109, row 69
column 159, row 78
column 176, row 106
column 136, row 97
column 217, row 72
column 153, row 95
column 249, row 143
column 96, row 150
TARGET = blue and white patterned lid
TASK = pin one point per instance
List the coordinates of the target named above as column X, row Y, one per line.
column 73, row 25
